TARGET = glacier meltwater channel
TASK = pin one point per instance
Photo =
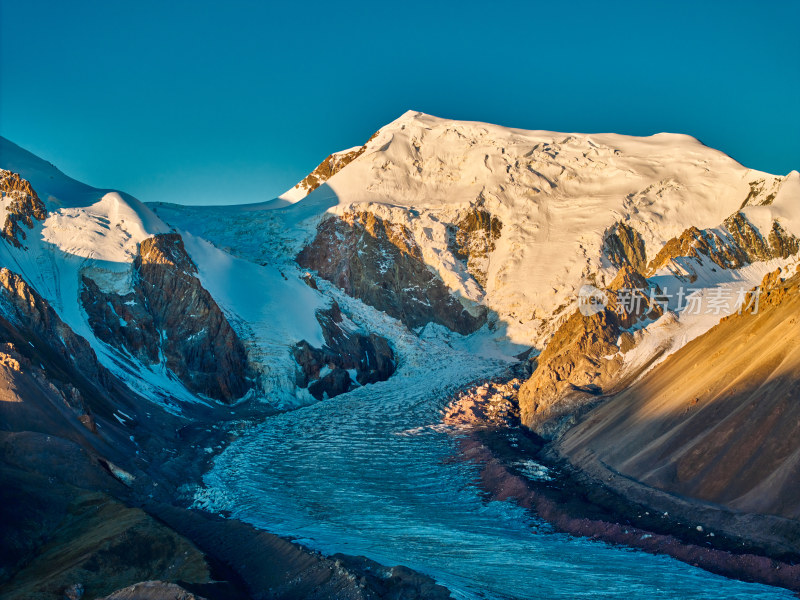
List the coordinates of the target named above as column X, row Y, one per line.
column 370, row 473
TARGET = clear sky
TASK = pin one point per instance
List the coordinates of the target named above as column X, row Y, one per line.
column 201, row 102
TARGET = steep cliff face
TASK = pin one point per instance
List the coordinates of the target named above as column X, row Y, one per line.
column 624, row 245
column 169, row 318
column 584, row 358
column 379, row 263
column 348, row 359
column 473, row 238
column 27, row 311
column 20, row 204
column 719, row 420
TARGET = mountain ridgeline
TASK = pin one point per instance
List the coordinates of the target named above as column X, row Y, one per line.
column 123, row 323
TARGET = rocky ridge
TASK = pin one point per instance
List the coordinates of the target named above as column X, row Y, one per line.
column 169, row 318
column 379, row 263
column 584, row 359
column 20, row 204
column 349, row 358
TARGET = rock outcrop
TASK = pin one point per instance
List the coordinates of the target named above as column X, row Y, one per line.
column 489, row 405
column 736, row 244
column 169, row 318
column 379, row 263
column 473, row 238
column 582, row 360
column 21, row 205
column 326, row 371
column 31, row 314
column 719, row 420
column 329, row 167
column 153, row 590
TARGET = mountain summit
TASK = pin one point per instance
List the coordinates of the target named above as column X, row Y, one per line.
column 435, row 248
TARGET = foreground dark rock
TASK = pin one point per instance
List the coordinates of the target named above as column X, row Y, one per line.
column 326, row 371
column 169, row 317
column 153, row 590
column 379, row 263
column 268, row 566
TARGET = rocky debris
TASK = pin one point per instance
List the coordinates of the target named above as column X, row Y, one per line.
column 12, row 359
column 582, row 360
column 378, row 262
column 169, row 318
column 491, row 404
column 21, row 204
column 33, row 315
column 624, row 246
column 153, row 590
column 733, row 246
column 472, row 239
column 326, row 371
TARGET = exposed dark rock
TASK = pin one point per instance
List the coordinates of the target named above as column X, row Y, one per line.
column 757, row 195
column 473, row 238
column 153, row 590
column 169, row 317
column 582, row 360
column 735, row 246
column 379, row 263
column 22, row 205
column 782, row 243
column 748, row 238
column 625, row 246
column 329, row 167
column 325, row 371
column 309, row 280
column 32, row 314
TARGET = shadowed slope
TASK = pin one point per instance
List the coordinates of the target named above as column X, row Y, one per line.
column 718, row 421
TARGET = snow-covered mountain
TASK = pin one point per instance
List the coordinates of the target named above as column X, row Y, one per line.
column 475, row 234
column 491, row 232
column 436, row 241
column 471, row 226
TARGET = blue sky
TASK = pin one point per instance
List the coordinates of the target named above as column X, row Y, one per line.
column 199, row 102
